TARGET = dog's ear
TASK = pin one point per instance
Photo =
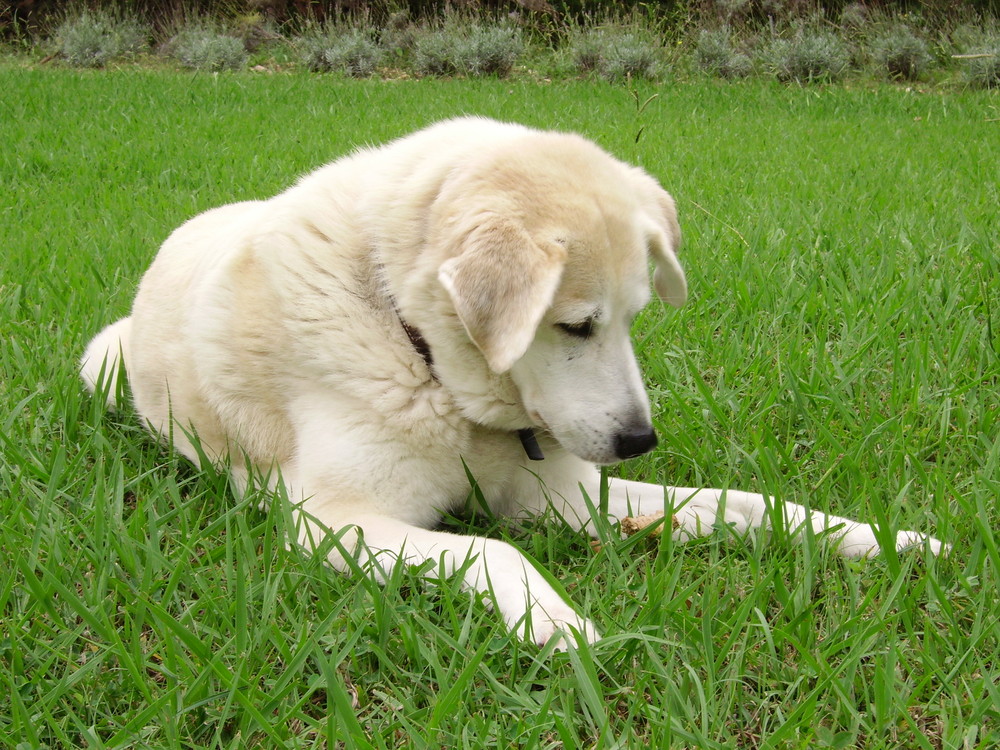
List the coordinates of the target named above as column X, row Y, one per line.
column 501, row 283
column 668, row 278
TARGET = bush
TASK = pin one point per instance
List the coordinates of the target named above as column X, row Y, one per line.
column 490, row 50
column 629, row 55
column 313, row 44
column 616, row 53
column 983, row 70
column 810, row 56
column 714, row 54
column 588, row 51
column 356, row 54
column 469, row 48
column 92, row 39
column 399, row 37
column 203, row 48
column 901, row 53
column 980, row 48
column 350, row 51
column 436, row 52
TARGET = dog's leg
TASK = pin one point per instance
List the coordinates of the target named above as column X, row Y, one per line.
column 350, row 483
column 696, row 512
column 378, row 543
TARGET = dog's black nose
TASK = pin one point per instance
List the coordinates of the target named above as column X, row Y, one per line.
column 635, row 442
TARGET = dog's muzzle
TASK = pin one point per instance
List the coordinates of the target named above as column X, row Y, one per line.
column 634, row 442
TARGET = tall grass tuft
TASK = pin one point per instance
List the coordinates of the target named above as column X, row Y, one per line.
column 855, row 17
column 91, row 39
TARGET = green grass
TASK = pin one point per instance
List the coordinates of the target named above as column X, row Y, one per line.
column 839, row 348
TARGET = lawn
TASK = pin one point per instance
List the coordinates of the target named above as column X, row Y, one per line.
column 840, row 348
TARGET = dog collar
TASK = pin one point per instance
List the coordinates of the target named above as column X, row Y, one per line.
column 527, row 435
column 419, row 343
column 530, row 444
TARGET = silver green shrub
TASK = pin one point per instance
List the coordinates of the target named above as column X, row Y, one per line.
column 809, row 56
column 714, row 54
column 616, row 53
column 490, row 50
column 471, row 48
column 900, row 53
column 92, row 39
column 436, row 52
column 352, row 51
column 203, row 48
column 982, row 69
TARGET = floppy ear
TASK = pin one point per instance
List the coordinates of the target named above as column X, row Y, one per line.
column 668, row 277
column 501, row 284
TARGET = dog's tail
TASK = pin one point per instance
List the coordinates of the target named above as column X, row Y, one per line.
column 103, row 364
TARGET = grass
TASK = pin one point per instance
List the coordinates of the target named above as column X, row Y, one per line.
column 840, row 348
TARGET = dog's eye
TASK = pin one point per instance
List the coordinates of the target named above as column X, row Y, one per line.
column 577, row 330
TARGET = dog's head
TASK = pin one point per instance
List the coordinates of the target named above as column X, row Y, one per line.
column 549, row 266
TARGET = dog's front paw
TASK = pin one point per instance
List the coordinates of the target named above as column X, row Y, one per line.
column 862, row 542
column 918, row 541
column 559, row 625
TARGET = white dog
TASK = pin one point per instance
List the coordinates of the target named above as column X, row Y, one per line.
column 457, row 300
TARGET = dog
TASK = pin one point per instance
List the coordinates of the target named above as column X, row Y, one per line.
column 454, row 304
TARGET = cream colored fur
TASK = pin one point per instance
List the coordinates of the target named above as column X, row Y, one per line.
column 272, row 332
